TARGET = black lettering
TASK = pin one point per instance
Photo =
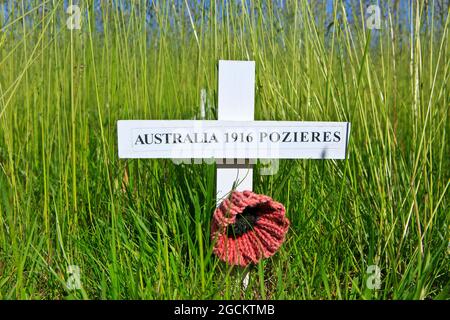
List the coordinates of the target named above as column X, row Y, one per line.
column 286, row 136
column 188, row 139
column 139, row 140
column 337, row 136
column 277, row 135
column 147, row 140
column 213, row 138
column 195, row 138
column 158, row 139
column 303, row 137
column 315, row 136
column 263, row 135
column 326, row 136
column 167, row 137
column 177, row 138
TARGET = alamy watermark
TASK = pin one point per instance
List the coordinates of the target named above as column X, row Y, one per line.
column 74, row 20
column 74, row 280
column 373, row 17
column 240, row 142
column 374, row 279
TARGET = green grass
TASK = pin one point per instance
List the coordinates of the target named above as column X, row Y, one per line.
column 140, row 228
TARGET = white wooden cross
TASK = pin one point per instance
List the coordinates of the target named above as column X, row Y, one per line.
column 235, row 140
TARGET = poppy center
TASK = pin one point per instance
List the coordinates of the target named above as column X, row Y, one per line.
column 244, row 222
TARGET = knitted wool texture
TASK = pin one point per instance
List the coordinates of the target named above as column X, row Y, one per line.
column 247, row 227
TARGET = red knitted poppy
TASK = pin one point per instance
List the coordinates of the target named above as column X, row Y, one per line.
column 247, row 227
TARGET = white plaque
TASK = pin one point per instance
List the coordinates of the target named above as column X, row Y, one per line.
column 182, row 139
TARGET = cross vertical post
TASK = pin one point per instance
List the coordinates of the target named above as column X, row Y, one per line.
column 236, row 101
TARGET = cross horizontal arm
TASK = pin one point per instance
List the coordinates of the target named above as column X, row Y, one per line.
column 181, row 139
